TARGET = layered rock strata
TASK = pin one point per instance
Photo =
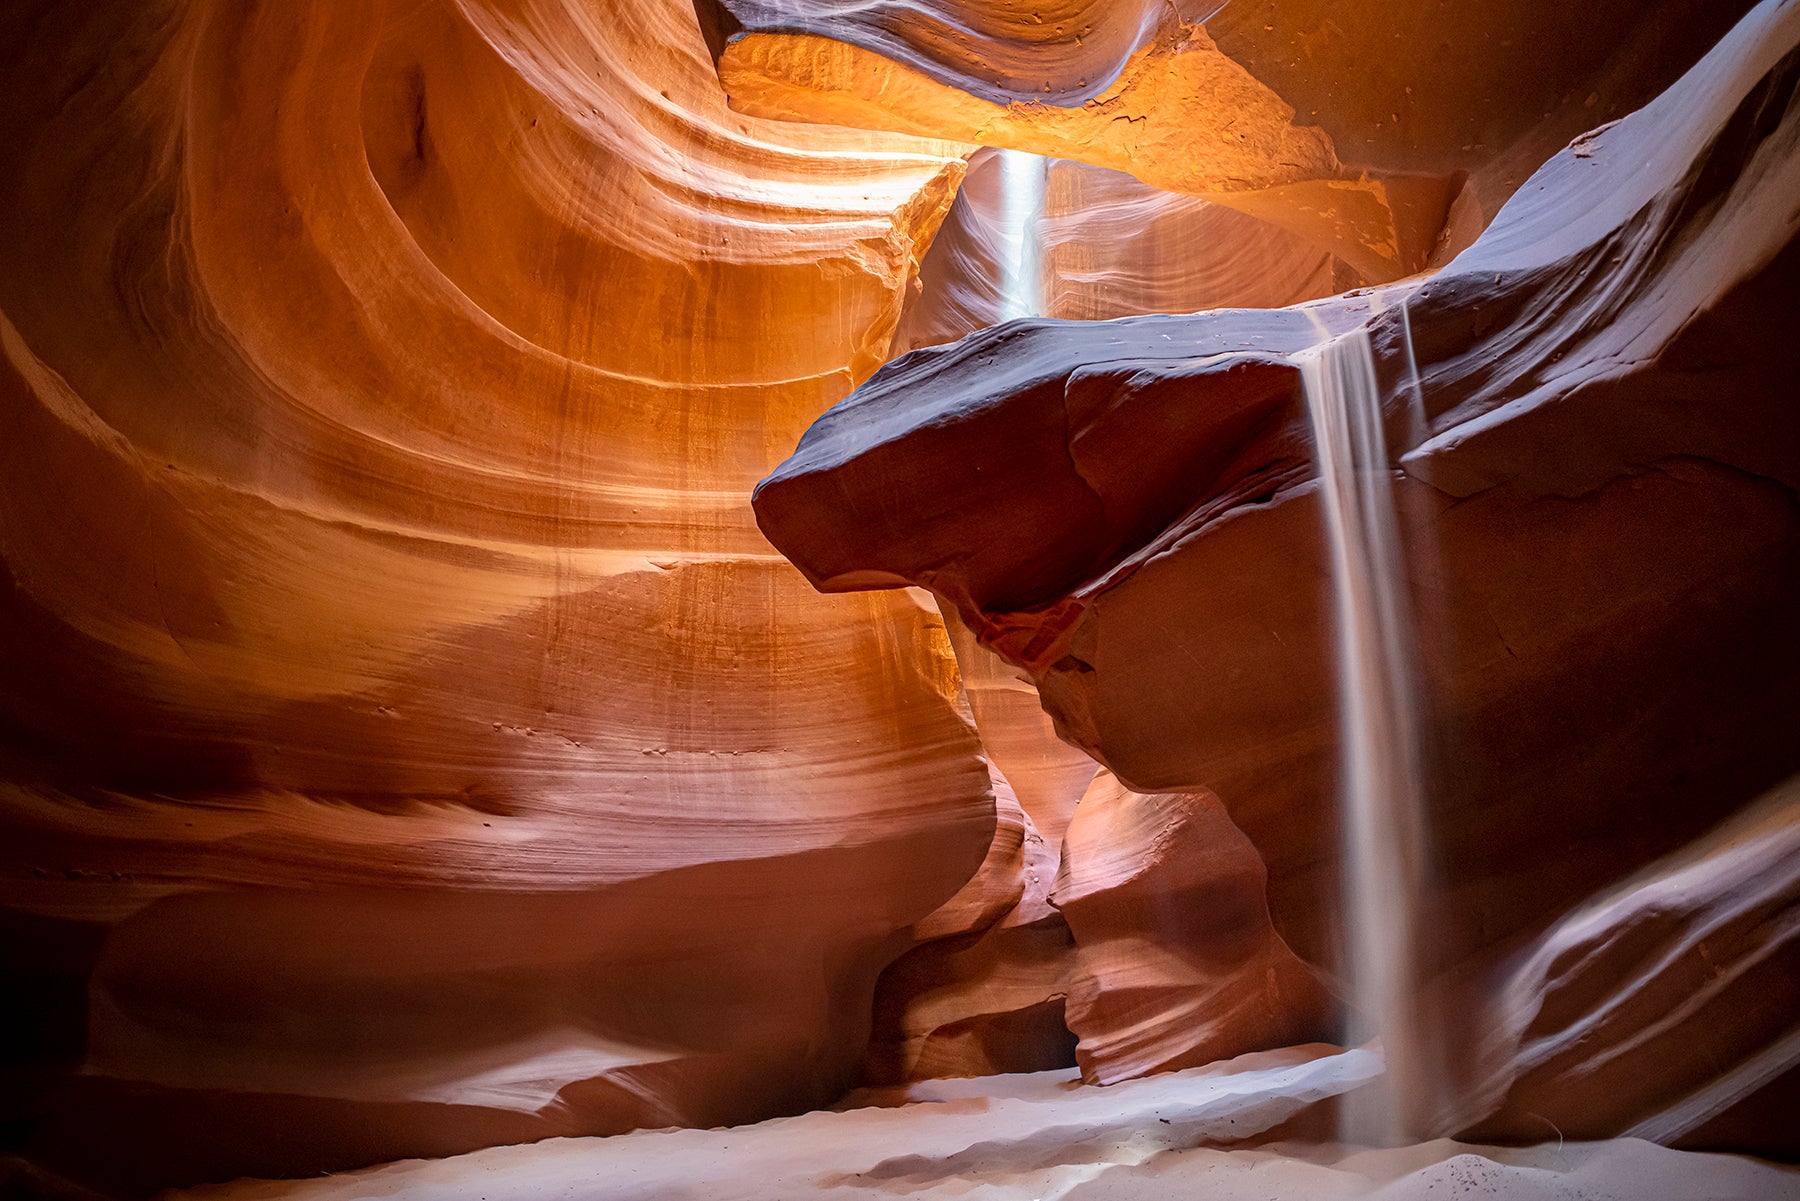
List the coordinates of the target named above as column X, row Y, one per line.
column 1488, row 87
column 1385, row 139
column 1181, row 116
column 409, row 744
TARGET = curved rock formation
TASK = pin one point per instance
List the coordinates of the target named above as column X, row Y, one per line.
column 1690, row 964
column 1176, row 963
column 1415, row 124
column 1596, row 475
column 1117, row 247
column 1467, row 84
column 1046, row 774
column 1181, row 116
column 986, row 994
column 403, row 722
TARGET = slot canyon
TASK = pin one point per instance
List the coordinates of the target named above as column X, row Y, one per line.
column 753, row 600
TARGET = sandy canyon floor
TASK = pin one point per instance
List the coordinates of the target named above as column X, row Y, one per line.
column 1043, row 1136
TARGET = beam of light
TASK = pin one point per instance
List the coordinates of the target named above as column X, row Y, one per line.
column 1021, row 252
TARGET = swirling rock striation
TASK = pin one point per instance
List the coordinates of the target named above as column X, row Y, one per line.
column 982, row 996
column 1387, row 140
column 409, row 742
column 1181, row 116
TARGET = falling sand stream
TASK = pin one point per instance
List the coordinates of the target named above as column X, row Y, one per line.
column 1380, row 795
column 1022, row 180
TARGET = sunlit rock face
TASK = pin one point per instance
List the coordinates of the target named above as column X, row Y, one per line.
column 1362, row 133
column 1108, row 246
column 1181, row 115
column 1402, row 87
column 1595, row 466
column 410, row 742
column 1116, row 247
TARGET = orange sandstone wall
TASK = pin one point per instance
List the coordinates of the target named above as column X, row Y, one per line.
column 401, row 716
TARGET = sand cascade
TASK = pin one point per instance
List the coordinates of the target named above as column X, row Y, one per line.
column 1381, row 803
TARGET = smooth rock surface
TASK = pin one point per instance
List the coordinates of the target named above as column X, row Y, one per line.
column 1418, row 122
column 409, row 743
column 1107, row 245
column 983, row 993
